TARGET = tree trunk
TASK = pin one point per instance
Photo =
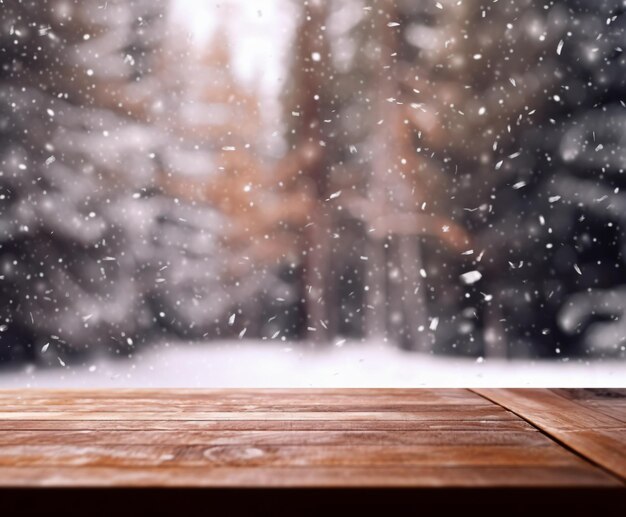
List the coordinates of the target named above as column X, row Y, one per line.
column 414, row 295
column 375, row 315
column 316, row 275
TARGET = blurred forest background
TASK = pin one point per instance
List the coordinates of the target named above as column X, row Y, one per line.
column 443, row 175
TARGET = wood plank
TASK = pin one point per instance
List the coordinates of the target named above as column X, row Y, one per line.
column 596, row 435
column 547, row 409
column 604, row 447
column 615, row 410
column 269, row 397
column 461, row 413
column 527, row 438
column 167, row 393
column 113, row 406
column 611, row 402
column 215, row 400
column 302, row 477
column 261, row 456
column 264, row 425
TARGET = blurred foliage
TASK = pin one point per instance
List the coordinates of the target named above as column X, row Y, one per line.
column 451, row 179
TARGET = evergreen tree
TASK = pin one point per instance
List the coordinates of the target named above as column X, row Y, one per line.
column 226, row 193
column 75, row 161
column 516, row 103
column 477, row 150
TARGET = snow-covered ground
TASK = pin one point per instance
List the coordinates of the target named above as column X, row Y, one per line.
column 270, row 364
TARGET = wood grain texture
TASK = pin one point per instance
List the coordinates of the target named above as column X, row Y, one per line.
column 366, row 397
column 591, row 422
column 289, row 438
column 267, row 456
column 275, row 438
column 310, row 477
column 479, row 414
column 262, row 425
column 611, row 402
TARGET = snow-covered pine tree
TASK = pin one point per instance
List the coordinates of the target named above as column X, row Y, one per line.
column 589, row 165
column 519, row 107
column 471, row 74
column 225, row 195
column 75, row 159
column 390, row 201
column 352, row 158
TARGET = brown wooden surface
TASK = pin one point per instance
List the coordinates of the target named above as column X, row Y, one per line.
column 591, row 422
column 406, row 445
column 297, row 438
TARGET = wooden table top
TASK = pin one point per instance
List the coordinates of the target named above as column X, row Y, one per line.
column 416, row 441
